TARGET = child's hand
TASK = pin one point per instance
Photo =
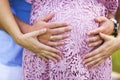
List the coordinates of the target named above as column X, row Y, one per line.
column 106, row 27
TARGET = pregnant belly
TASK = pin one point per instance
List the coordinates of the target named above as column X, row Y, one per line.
column 81, row 24
column 81, row 20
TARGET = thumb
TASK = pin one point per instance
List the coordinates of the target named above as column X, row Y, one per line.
column 105, row 37
column 100, row 19
column 38, row 32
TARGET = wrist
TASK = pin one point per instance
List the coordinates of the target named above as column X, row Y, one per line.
column 26, row 28
column 115, row 30
column 118, row 43
column 18, row 37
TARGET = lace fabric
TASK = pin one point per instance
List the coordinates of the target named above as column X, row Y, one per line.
column 80, row 15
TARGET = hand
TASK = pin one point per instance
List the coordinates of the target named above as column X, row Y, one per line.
column 42, row 50
column 30, row 41
column 99, row 55
column 106, row 27
column 54, row 32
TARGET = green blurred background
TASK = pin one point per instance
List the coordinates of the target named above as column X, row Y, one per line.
column 116, row 61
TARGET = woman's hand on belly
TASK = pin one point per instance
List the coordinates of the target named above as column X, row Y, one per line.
column 54, row 32
column 106, row 27
column 29, row 39
column 99, row 55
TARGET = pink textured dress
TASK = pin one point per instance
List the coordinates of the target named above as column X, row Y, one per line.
column 80, row 15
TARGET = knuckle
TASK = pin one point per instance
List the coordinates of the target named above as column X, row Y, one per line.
column 53, row 54
column 56, row 24
column 52, row 37
column 96, row 52
column 94, row 44
column 54, row 44
column 103, row 54
column 98, row 37
column 66, row 29
column 94, row 58
column 63, row 23
column 101, row 29
column 100, row 42
column 97, row 43
column 94, row 39
column 62, row 36
column 58, row 44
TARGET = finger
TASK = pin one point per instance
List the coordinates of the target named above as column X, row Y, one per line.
column 94, row 52
column 105, row 37
column 56, row 25
column 60, row 30
column 47, row 17
column 59, row 37
column 94, row 59
column 41, row 56
column 48, row 57
column 97, row 64
column 90, row 59
column 50, row 49
column 38, row 32
column 96, row 31
column 92, row 63
column 100, row 19
column 97, row 43
column 55, row 44
column 53, row 56
column 93, row 39
column 41, row 46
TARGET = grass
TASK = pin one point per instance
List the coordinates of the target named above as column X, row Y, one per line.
column 116, row 61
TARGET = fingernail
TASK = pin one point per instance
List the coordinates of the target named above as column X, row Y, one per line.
column 90, row 45
column 87, row 40
column 59, row 59
column 86, row 65
column 68, row 35
column 88, row 33
column 83, row 62
column 55, row 61
column 62, row 43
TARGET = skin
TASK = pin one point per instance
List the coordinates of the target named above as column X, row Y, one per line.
column 30, row 40
column 106, row 27
column 54, row 33
column 32, row 37
column 99, row 55
column 48, row 40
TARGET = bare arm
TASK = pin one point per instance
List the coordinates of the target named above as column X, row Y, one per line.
column 7, row 21
column 54, row 33
column 28, row 40
column 118, row 19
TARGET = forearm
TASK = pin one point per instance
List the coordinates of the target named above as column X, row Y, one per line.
column 7, row 21
column 118, row 19
column 24, row 27
column 117, row 16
